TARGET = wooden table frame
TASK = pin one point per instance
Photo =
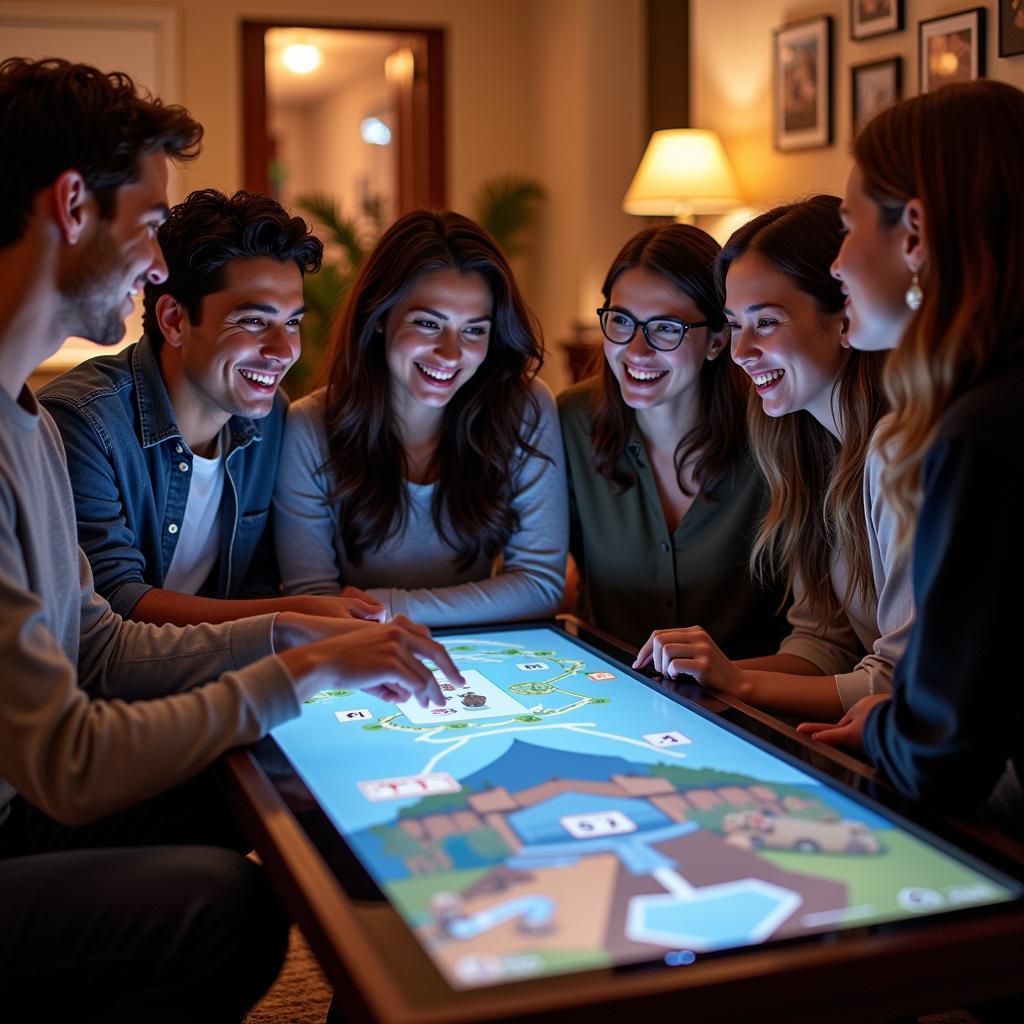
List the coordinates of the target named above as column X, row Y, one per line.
column 914, row 970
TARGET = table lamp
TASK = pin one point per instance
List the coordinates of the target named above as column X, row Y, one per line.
column 684, row 172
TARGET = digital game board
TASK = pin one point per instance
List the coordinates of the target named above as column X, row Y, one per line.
column 557, row 815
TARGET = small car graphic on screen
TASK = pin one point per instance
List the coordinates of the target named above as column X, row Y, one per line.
column 755, row 830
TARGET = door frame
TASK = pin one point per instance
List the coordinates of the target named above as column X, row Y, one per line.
column 431, row 169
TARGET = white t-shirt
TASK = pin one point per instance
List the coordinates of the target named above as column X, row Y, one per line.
column 199, row 540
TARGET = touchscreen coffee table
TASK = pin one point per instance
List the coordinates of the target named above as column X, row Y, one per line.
column 565, row 838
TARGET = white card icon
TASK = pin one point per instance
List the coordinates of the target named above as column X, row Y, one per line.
column 404, row 786
column 357, row 715
column 666, row 739
column 479, row 698
column 597, row 824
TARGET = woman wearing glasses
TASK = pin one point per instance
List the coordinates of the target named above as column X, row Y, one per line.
column 663, row 497
column 432, row 449
column 828, row 532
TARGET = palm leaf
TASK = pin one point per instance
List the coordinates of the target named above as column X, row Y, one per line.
column 324, row 292
column 506, row 206
column 341, row 230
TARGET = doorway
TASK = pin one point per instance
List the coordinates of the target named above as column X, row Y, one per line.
column 352, row 114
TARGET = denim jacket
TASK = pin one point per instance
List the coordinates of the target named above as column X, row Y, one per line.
column 131, row 470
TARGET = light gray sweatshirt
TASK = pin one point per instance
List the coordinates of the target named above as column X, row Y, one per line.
column 414, row 572
column 880, row 627
column 91, row 719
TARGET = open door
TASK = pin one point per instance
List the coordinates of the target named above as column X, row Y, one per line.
column 315, row 130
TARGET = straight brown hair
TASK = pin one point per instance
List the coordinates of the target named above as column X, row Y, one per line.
column 684, row 256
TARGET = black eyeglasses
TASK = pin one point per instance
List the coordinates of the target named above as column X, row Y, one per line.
column 664, row 333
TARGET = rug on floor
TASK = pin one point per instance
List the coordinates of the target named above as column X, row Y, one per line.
column 301, row 994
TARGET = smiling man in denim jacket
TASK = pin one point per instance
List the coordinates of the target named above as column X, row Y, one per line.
column 173, row 444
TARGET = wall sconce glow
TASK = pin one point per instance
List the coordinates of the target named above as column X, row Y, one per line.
column 374, row 131
column 400, row 66
column 301, row 58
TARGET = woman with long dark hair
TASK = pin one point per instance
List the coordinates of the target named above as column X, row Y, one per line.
column 827, row 534
column 933, row 265
column 663, row 495
column 432, row 449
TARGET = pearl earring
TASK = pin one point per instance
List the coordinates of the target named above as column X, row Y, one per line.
column 914, row 296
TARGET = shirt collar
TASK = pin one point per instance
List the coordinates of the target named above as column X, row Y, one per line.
column 156, row 413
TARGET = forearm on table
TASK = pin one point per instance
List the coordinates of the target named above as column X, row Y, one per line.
column 168, row 606
column 791, row 664
column 509, row 595
column 813, row 697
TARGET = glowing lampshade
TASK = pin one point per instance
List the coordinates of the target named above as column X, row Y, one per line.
column 684, row 171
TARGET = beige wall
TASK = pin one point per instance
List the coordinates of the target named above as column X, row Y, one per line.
column 532, row 85
column 732, row 75
column 319, row 144
column 589, row 137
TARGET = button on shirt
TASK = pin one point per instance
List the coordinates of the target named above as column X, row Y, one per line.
column 637, row 575
column 199, row 541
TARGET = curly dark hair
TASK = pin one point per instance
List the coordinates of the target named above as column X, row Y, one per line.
column 209, row 229
column 485, row 424
column 57, row 116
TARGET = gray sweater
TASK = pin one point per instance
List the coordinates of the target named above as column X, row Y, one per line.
column 86, row 723
column 414, row 572
column 880, row 627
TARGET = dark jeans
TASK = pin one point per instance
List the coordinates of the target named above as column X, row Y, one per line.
column 150, row 915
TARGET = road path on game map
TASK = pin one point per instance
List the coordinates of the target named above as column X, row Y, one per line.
column 497, row 655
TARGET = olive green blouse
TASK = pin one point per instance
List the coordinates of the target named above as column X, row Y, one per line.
column 636, row 575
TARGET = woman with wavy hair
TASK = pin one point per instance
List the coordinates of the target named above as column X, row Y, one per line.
column 432, row 449
column 828, row 534
column 933, row 265
column 663, row 493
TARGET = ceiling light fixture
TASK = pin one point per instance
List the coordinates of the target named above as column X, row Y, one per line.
column 301, row 58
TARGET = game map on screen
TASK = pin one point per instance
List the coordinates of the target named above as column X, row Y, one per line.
column 557, row 815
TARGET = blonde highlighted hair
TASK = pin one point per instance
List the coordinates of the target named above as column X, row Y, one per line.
column 958, row 151
column 815, row 482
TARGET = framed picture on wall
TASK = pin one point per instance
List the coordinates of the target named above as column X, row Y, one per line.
column 951, row 48
column 802, row 62
column 875, row 17
column 1011, row 27
column 873, row 87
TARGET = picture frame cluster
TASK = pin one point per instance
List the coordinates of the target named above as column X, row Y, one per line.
column 950, row 48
